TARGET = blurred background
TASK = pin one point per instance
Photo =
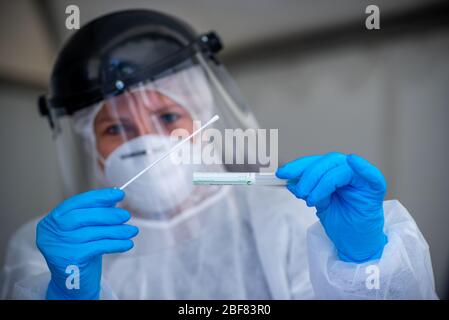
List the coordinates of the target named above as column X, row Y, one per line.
column 309, row 68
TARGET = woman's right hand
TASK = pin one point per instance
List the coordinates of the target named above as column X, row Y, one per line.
column 74, row 236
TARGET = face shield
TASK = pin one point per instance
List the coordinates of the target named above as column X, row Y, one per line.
column 114, row 139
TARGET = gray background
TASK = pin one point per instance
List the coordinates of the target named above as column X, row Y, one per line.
column 309, row 68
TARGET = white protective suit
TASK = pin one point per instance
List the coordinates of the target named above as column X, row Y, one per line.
column 275, row 249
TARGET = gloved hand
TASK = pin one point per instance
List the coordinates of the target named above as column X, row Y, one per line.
column 348, row 193
column 77, row 233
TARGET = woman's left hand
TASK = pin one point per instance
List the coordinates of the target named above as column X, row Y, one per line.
column 347, row 192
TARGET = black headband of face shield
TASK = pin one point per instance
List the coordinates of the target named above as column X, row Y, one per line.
column 119, row 75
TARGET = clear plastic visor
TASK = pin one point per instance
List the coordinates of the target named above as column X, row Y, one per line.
column 125, row 133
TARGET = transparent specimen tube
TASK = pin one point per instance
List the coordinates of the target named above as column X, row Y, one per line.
column 237, row 178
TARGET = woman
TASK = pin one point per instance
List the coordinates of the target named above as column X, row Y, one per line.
column 127, row 81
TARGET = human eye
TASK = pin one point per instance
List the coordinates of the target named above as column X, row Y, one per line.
column 169, row 117
column 115, row 129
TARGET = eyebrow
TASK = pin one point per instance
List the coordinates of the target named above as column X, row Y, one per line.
column 110, row 119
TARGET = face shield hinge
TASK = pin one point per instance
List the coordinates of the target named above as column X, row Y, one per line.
column 119, row 85
column 45, row 111
column 211, row 42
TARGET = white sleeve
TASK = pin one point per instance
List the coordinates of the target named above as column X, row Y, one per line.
column 25, row 275
column 403, row 272
column 35, row 288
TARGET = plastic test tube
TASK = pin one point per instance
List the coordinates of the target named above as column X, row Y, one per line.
column 237, row 178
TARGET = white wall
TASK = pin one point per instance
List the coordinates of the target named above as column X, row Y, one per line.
column 29, row 171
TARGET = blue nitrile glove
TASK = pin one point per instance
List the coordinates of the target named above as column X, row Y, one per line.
column 77, row 233
column 348, row 193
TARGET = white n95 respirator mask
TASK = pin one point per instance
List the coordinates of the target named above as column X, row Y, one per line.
column 161, row 191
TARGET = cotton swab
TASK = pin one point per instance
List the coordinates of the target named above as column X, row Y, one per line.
column 214, row 118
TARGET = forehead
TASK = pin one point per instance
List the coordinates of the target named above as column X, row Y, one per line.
column 134, row 102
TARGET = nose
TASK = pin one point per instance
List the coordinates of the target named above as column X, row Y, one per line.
column 147, row 121
column 147, row 124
